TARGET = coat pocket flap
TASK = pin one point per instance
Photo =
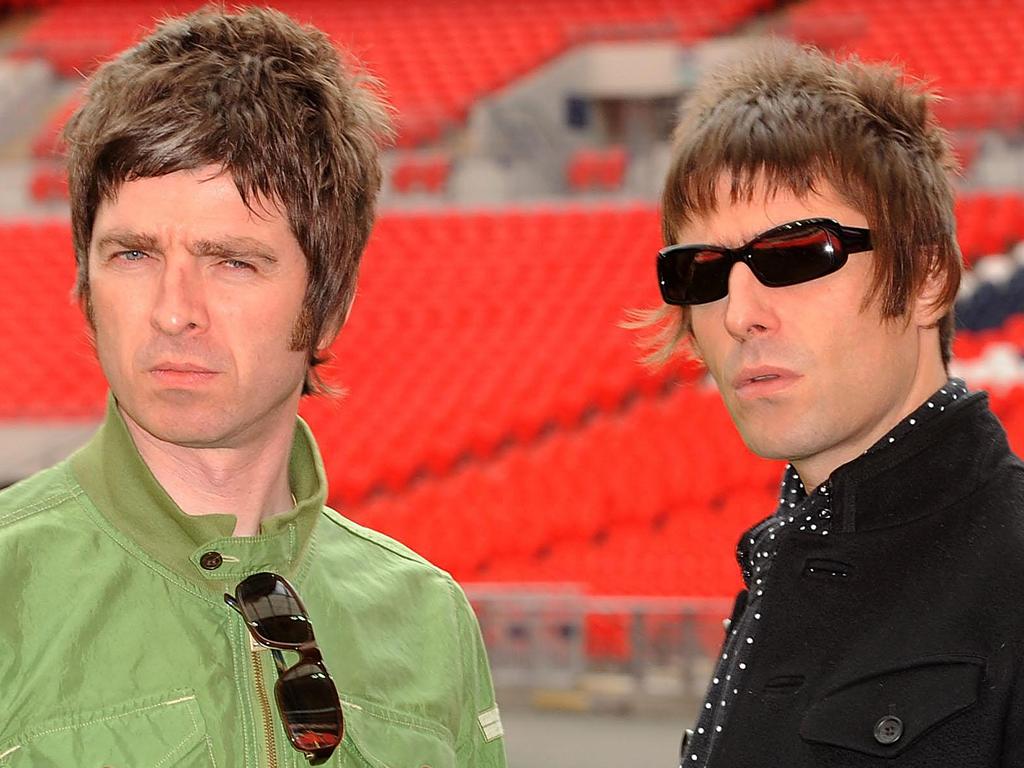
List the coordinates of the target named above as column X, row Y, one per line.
column 162, row 731
column 385, row 738
column 885, row 713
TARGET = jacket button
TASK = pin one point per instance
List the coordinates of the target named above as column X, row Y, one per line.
column 888, row 730
column 211, row 561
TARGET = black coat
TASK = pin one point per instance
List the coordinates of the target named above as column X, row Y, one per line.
column 898, row 640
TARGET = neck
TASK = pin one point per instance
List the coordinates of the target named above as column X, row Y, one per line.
column 249, row 482
column 816, row 469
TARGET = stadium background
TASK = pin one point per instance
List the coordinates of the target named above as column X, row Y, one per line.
column 496, row 419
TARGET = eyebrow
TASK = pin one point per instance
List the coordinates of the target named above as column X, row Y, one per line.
column 126, row 238
column 227, row 247
column 233, row 248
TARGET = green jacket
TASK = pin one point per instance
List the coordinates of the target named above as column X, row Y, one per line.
column 117, row 649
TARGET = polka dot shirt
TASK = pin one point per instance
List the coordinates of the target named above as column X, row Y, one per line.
column 799, row 513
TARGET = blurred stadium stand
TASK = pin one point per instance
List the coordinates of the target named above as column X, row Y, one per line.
column 496, row 418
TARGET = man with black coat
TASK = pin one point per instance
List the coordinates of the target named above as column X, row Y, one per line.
column 812, row 267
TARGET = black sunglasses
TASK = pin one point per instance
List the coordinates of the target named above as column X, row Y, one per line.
column 785, row 255
column 305, row 693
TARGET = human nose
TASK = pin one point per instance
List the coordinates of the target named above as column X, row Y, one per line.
column 749, row 311
column 180, row 305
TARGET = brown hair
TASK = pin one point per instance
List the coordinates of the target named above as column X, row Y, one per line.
column 791, row 117
column 268, row 100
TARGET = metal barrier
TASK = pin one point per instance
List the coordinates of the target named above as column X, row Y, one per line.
column 555, row 637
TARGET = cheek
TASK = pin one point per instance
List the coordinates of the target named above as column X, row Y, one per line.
column 113, row 316
column 709, row 338
column 869, row 356
column 260, row 332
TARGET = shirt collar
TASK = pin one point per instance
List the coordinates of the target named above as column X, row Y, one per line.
column 949, row 396
column 935, row 463
column 121, row 486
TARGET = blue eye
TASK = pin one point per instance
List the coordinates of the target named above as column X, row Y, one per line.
column 239, row 264
column 132, row 255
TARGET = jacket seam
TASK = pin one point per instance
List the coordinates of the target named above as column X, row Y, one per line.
column 352, row 528
column 39, row 506
column 209, row 750
column 454, row 594
column 305, row 561
column 195, row 729
column 239, row 663
column 165, row 574
column 50, row 731
column 437, row 730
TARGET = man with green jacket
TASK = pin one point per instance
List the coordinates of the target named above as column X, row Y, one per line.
column 176, row 593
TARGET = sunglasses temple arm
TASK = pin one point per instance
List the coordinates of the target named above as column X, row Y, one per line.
column 858, row 239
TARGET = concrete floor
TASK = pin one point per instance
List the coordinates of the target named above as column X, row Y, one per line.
column 537, row 739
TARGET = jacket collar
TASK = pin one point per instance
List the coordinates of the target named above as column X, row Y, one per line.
column 119, row 483
column 931, row 468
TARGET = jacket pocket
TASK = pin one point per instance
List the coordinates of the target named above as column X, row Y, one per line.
column 155, row 732
column 885, row 713
column 383, row 738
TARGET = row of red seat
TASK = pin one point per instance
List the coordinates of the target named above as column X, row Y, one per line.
column 49, row 182
column 435, row 58
column 596, row 169
column 666, row 468
column 424, row 173
column 415, row 173
column 971, row 51
column 989, row 223
column 472, row 331
column 648, row 501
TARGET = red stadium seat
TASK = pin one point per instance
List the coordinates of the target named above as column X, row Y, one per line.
column 435, row 59
column 496, row 419
column 969, row 53
column 596, row 169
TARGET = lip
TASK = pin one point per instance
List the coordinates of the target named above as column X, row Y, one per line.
column 778, row 379
column 180, row 368
column 181, row 373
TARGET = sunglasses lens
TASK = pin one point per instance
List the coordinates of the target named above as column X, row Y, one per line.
column 796, row 256
column 793, row 253
column 694, row 275
column 310, row 707
column 273, row 609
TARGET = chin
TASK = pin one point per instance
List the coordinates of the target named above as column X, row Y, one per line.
column 185, row 432
column 773, row 443
column 181, row 421
column 769, row 450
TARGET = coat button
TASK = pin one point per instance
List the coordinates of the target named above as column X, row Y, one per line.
column 888, row 730
column 211, row 561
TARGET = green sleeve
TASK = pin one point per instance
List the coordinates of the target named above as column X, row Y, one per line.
column 480, row 742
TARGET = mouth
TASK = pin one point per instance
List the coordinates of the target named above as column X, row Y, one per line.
column 180, row 374
column 763, row 381
column 180, row 368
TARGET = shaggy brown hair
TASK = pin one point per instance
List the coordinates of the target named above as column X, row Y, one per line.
column 266, row 99
column 792, row 117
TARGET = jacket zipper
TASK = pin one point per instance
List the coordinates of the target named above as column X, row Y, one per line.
column 261, row 694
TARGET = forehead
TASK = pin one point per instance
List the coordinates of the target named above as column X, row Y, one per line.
column 734, row 222
column 184, row 206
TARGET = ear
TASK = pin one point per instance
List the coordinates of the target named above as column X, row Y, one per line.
column 84, row 301
column 930, row 304
column 690, row 338
column 333, row 326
